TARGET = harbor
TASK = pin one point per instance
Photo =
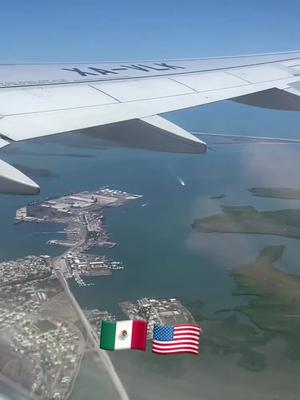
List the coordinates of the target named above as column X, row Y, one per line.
column 83, row 215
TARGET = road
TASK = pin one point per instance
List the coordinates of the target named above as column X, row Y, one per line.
column 91, row 334
column 58, row 266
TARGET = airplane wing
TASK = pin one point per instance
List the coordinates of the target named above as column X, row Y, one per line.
column 112, row 98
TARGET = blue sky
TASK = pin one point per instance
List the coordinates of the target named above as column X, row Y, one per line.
column 70, row 30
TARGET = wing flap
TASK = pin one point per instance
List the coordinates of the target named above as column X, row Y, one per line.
column 13, row 181
column 172, row 137
column 151, row 133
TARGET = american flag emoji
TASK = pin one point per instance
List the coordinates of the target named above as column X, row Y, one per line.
column 183, row 338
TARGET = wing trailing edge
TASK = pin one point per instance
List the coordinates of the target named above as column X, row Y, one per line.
column 172, row 137
column 278, row 98
column 150, row 133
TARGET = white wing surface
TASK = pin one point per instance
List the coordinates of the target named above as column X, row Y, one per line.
column 100, row 98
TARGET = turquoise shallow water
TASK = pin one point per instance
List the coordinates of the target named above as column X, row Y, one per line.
column 161, row 254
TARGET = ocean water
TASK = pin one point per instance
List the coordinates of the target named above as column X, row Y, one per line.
column 162, row 256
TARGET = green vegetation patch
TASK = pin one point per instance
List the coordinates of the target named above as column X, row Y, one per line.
column 272, row 311
column 246, row 219
column 275, row 306
column 230, row 335
column 276, row 193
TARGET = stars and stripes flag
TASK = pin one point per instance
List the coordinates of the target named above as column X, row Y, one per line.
column 183, row 338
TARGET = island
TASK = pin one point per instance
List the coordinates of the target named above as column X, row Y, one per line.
column 246, row 219
column 270, row 310
column 218, row 196
column 276, row 193
column 274, row 302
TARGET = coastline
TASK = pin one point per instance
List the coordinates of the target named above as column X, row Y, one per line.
column 63, row 267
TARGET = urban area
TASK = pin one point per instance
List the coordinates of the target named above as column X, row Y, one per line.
column 44, row 334
column 157, row 311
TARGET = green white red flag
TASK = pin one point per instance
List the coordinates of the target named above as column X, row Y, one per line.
column 117, row 335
